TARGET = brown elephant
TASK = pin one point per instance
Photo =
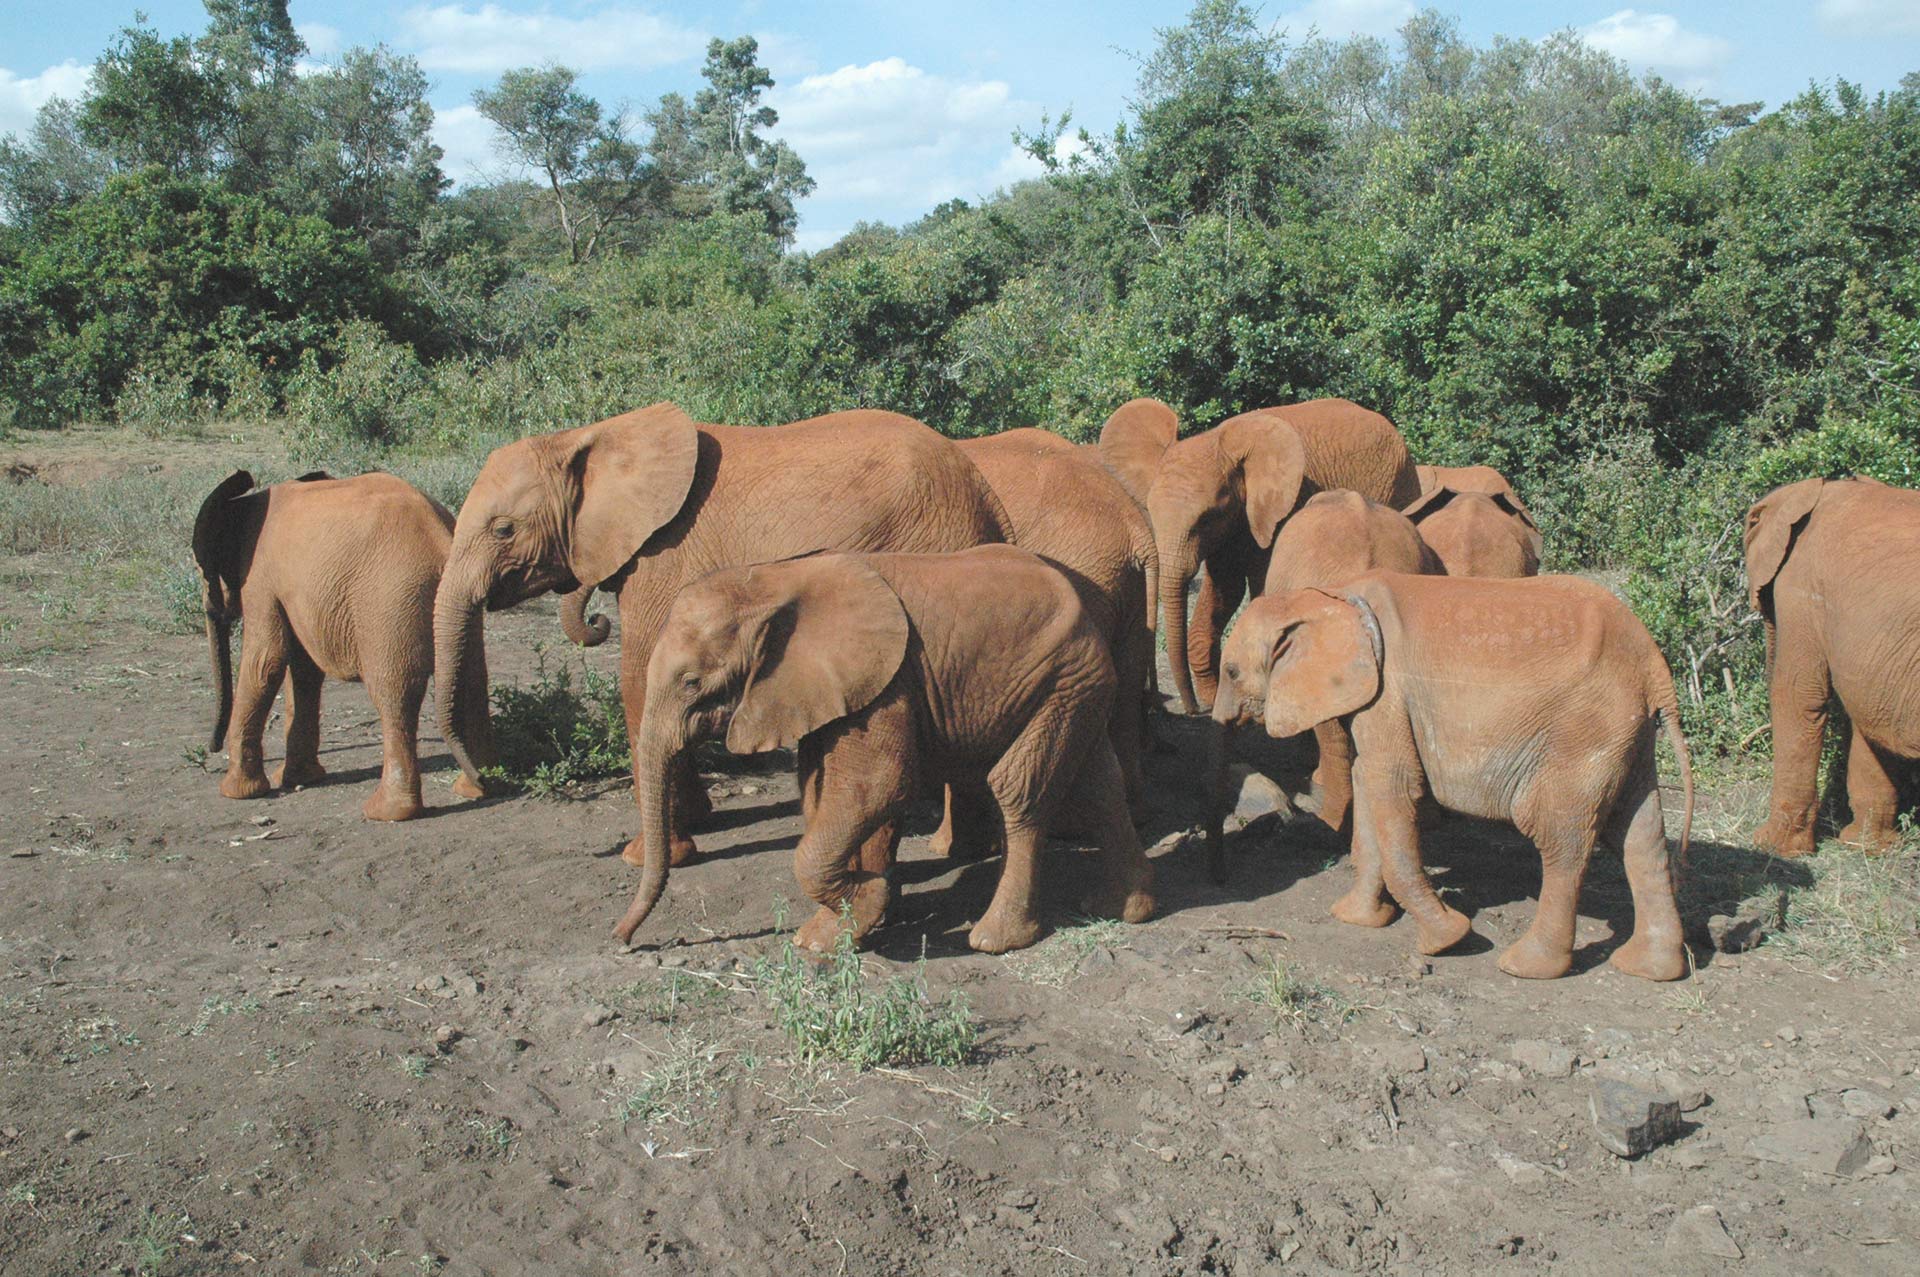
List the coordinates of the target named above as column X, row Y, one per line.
column 642, row 503
column 1478, row 533
column 983, row 670
column 1335, row 537
column 1132, row 442
column 1219, row 498
column 331, row 578
column 1833, row 568
column 1529, row 701
column 1464, row 479
column 1070, row 510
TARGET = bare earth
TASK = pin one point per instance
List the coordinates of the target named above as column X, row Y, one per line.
column 271, row 1036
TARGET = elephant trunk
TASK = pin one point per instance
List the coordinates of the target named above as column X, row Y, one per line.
column 1220, row 736
column 655, row 775
column 458, row 628
column 581, row 629
column 220, row 648
column 1176, row 573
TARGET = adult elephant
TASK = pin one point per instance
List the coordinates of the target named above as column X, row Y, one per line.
column 1066, row 507
column 640, row 504
column 1833, row 568
column 1218, row 499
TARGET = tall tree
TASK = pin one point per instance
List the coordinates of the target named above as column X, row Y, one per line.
column 744, row 171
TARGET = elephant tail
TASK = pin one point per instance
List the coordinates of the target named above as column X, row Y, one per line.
column 1662, row 701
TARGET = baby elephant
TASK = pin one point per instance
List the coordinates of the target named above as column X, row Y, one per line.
column 331, row 577
column 1530, row 701
column 982, row 670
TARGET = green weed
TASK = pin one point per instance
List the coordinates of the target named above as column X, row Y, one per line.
column 678, row 1091
column 559, row 731
column 153, row 1243
column 831, row 1011
column 1054, row 963
column 495, row 1137
column 1289, row 996
column 672, row 996
column 416, row 1066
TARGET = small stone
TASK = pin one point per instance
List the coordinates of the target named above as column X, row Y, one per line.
column 23, row 853
column 1880, row 1164
column 1418, row 967
column 597, row 1015
column 1405, row 1057
column 749, row 789
column 1254, row 796
column 1789, row 1104
column 1746, row 927
column 1186, row 1021
column 1827, row 1146
column 1547, row 1059
column 1690, row 1159
column 9, row 1133
column 1788, row 1033
column 1521, row 1172
column 1289, row 1248
column 1629, row 1119
column 1689, row 1095
column 1701, row 1231
column 445, row 1036
column 1858, row 1102
column 75, row 1135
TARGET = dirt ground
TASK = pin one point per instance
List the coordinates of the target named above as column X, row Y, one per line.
column 270, row 1036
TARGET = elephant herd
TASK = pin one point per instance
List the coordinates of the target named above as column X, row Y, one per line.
column 913, row 615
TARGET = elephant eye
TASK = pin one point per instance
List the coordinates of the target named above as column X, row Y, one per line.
column 503, row 529
column 690, row 681
column 1233, row 671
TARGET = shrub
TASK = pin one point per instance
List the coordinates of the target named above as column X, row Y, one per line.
column 831, row 1011
column 553, row 734
column 366, row 394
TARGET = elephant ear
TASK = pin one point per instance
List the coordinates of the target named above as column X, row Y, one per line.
column 1432, row 499
column 1529, row 530
column 634, row 473
column 1770, row 527
column 1133, row 440
column 1429, row 477
column 213, row 536
column 1272, row 463
column 828, row 638
column 1326, row 661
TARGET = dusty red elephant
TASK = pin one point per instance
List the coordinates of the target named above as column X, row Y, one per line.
column 1833, row 568
column 1531, row 701
column 890, row 673
column 331, row 578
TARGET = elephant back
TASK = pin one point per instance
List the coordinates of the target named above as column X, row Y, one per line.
column 1348, row 446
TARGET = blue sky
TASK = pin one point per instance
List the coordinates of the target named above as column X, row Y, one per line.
column 896, row 107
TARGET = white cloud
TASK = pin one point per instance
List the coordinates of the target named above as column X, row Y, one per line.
column 453, row 37
column 466, row 136
column 894, row 134
column 21, row 96
column 1657, row 42
column 1337, row 19
column 322, row 40
column 1871, row 17
column 1018, row 164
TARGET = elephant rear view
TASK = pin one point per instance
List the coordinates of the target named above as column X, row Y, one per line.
column 1219, row 498
column 641, row 504
column 1478, row 533
column 1833, row 568
column 332, row 578
column 886, row 673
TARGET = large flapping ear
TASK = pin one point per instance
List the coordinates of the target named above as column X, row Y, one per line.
column 1132, row 441
column 634, row 473
column 213, row 536
column 1273, row 468
column 1770, row 525
column 827, row 635
column 1529, row 531
column 1326, row 661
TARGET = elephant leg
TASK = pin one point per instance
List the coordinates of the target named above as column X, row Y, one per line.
column 397, row 697
column 1798, row 691
column 1872, row 795
column 1384, row 808
column 969, row 823
column 1127, row 726
column 1332, row 784
column 854, row 782
column 1099, row 799
column 263, row 663
column 680, row 791
column 476, row 725
column 1545, row 952
column 302, row 763
column 1366, row 903
column 1639, row 829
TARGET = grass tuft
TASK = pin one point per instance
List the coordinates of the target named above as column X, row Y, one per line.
column 1290, row 996
column 831, row 1011
column 558, row 731
column 1054, row 963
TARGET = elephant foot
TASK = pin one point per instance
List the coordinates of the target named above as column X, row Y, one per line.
column 1131, row 904
column 1364, row 909
column 1533, row 959
column 1443, row 931
column 292, row 776
column 865, row 909
column 1330, row 808
column 680, row 851
column 465, row 788
column 1650, row 961
column 384, row 805
column 1875, row 837
column 996, row 934
column 1780, row 838
column 241, row 785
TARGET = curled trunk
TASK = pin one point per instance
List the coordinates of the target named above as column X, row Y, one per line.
column 458, row 627
column 655, row 777
column 581, row 629
column 1176, row 573
column 220, row 648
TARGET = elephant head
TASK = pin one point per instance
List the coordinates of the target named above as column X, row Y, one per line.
column 216, row 550
column 763, row 656
column 1292, row 662
column 564, row 511
column 1134, row 439
column 1251, row 471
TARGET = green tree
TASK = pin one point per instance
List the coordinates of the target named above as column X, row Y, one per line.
column 743, row 171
